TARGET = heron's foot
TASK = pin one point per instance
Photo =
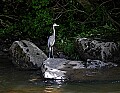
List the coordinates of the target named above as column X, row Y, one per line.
column 48, row 58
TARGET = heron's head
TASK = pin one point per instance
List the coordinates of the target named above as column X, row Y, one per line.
column 55, row 25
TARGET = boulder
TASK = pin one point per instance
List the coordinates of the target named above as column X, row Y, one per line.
column 62, row 69
column 98, row 50
column 26, row 55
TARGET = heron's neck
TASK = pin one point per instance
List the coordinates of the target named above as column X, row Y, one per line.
column 53, row 30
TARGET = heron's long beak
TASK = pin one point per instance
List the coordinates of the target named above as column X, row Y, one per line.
column 55, row 25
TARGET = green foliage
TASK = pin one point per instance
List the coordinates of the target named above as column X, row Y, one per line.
column 33, row 23
column 34, row 19
column 37, row 22
column 76, row 22
column 99, row 26
column 68, row 47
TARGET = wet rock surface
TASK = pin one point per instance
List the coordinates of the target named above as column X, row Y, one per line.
column 26, row 55
column 57, row 68
column 98, row 50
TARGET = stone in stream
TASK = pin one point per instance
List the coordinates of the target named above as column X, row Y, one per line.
column 62, row 69
column 26, row 55
column 98, row 50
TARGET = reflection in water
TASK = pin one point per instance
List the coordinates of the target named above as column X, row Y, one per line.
column 51, row 89
column 15, row 81
column 71, row 88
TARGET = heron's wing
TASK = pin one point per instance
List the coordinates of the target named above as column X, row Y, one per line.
column 51, row 40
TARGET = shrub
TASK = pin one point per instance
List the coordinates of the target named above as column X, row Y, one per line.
column 33, row 19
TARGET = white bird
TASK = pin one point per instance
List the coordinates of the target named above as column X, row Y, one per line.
column 51, row 41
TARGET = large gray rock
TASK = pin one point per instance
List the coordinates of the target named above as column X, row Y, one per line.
column 26, row 55
column 98, row 50
column 62, row 69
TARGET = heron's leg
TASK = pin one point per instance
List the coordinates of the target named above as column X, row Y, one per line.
column 52, row 51
column 49, row 51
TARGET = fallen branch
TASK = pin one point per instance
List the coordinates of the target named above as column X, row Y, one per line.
column 3, row 24
column 96, row 10
column 9, row 17
column 112, row 20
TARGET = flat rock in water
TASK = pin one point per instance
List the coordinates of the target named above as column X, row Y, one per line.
column 53, row 66
column 61, row 69
column 26, row 55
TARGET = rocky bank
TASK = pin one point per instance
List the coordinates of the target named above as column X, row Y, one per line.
column 26, row 55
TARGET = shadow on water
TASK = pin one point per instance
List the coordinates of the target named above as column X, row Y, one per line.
column 15, row 81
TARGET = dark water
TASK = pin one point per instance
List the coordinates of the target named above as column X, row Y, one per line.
column 15, row 81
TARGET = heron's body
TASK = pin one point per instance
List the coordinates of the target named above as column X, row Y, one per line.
column 51, row 41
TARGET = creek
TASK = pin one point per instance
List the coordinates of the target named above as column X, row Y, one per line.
column 13, row 80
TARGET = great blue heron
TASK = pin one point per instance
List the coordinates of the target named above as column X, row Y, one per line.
column 51, row 41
